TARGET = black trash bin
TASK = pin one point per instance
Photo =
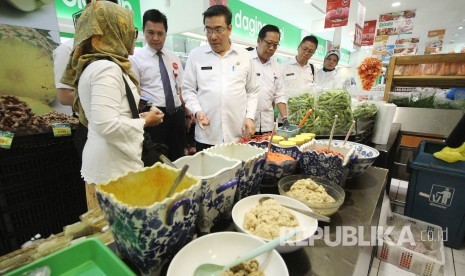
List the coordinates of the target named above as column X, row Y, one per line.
column 436, row 192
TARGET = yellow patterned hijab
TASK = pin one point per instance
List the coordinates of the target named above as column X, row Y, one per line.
column 105, row 30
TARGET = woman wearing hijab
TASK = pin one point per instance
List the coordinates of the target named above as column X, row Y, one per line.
column 105, row 36
column 327, row 77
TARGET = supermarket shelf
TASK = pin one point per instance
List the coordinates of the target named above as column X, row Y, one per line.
column 430, row 81
column 423, row 81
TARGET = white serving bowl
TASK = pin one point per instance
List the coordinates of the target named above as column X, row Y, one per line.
column 222, row 248
column 307, row 224
column 364, row 156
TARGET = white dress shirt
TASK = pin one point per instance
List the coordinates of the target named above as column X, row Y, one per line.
column 330, row 79
column 114, row 141
column 60, row 61
column 224, row 88
column 296, row 77
column 147, row 70
column 271, row 84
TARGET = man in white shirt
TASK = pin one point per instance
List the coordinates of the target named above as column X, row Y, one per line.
column 219, row 85
column 298, row 73
column 269, row 78
column 65, row 93
column 160, row 87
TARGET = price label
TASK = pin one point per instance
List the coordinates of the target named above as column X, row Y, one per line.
column 61, row 129
column 6, row 139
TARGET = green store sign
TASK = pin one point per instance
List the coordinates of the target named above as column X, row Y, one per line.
column 321, row 49
column 247, row 22
column 66, row 8
column 345, row 56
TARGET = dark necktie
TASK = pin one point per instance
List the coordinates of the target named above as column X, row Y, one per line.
column 165, row 79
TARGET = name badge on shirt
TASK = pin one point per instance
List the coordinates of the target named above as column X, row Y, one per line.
column 290, row 74
column 206, row 68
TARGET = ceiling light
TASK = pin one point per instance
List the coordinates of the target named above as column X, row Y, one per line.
column 459, row 28
column 307, row 1
column 396, row 4
column 456, row 34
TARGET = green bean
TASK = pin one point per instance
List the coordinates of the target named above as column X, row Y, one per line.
column 330, row 103
column 365, row 110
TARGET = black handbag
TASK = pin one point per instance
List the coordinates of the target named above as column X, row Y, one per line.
column 150, row 151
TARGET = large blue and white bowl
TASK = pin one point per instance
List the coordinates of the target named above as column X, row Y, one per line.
column 330, row 166
column 150, row 228
column 275, row 171
column 364, row 157
column 219, row 184
column 253, row 163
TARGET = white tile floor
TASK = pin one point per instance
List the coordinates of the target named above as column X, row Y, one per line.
column 454, row 259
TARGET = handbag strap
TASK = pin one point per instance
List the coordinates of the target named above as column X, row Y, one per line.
column 131, row 100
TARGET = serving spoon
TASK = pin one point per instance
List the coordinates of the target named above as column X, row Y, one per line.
column 216, row 269
column 307, row 213
column 178, row 179
column 167, row 161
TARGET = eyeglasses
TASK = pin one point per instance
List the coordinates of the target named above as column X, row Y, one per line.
column 137, row 33
column 305, row 49
column 271, row 44
column 216, row 31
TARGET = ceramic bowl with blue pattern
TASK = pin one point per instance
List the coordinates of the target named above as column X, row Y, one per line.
column 219, row 176
column 363, row 158
column 149, row 228
column 331, row 166
column 275, row 171
column 253, row 163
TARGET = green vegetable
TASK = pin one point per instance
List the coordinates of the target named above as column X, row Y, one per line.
column 365, row 110
column 329, row 104
column 298, row 106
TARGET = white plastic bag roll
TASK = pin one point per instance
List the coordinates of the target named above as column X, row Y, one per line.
column 384, row 117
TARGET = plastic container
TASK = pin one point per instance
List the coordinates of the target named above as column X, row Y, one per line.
column 410, row 260
column 309, row 134
column 277, row 139
column 291, row 131
column 90, row 257
column 299, row 141
column 287, row 143
column 435, row 192
column 306, row 138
